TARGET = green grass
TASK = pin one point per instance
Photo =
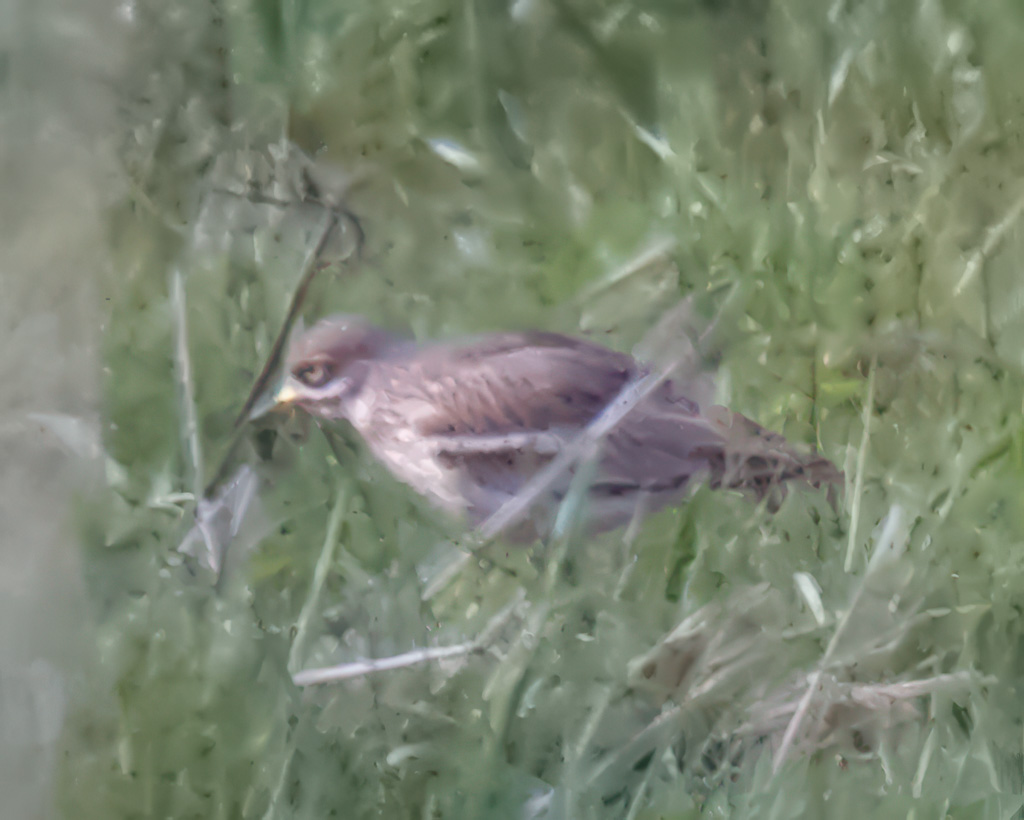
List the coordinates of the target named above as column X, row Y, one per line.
column 839, row 180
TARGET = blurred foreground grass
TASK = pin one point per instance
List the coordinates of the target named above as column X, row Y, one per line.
column 840, row 179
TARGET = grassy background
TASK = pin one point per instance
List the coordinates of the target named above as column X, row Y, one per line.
column 839, row 179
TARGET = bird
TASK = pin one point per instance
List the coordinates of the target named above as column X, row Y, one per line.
column 468, row 423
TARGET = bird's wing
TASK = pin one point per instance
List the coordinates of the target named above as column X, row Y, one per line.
column 658, row 451
column 502, row 407
column 518, row 383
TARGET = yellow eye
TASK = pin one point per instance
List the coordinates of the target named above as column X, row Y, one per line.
column 316, row 374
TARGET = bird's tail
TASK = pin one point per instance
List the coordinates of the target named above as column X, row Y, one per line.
column 758, row 461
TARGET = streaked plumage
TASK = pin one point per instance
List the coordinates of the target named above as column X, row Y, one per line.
column 468, row 423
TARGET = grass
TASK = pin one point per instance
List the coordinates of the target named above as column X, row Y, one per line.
column 838, row 181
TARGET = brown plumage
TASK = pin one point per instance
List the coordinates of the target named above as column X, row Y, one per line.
column 468, row 423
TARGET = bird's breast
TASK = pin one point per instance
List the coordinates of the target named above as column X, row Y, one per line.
column 388, row 425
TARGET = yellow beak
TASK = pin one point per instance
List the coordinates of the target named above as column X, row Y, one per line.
column 281, row 400
column 285, row 396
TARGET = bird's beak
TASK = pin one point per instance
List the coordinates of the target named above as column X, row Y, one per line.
column 281, row 400
column 285, row 396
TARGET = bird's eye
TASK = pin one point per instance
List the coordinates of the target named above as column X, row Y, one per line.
column 313, row 375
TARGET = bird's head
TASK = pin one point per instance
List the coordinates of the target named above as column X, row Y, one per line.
column 327, row 363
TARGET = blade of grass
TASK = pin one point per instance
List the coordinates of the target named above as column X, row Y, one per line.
column 323, row 566
column 183, row 369
column 858, row 481
column 883, row 549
